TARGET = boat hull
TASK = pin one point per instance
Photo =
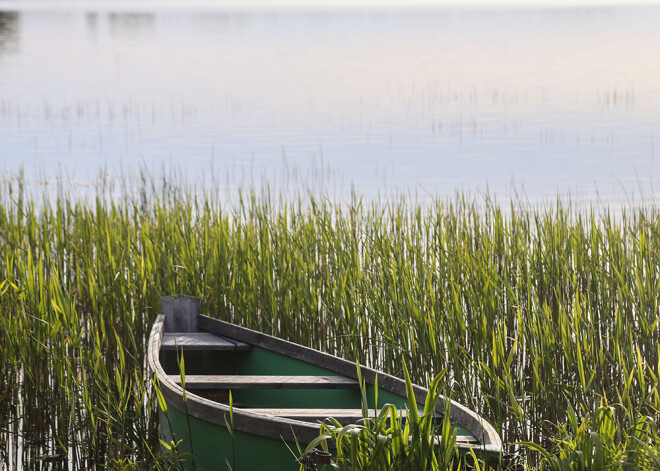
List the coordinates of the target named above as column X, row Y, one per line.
column 215, row 448
column 273, row 385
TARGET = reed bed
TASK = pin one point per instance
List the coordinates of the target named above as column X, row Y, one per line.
column 546, row 317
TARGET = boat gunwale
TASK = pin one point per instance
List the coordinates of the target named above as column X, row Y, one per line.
column 291, row 429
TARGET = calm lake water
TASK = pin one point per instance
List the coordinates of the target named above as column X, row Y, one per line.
column 428, row 100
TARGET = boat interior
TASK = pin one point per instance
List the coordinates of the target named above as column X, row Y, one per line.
column 266, row 382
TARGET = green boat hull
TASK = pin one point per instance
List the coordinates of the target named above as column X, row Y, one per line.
column 258, row 431
column 204, row 446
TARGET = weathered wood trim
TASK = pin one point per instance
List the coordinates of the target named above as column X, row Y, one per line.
column 266, row 382
column 342, row 415
column 180, row 312
column 199, row 341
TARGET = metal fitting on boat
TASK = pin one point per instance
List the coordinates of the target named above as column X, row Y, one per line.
column 314, row 457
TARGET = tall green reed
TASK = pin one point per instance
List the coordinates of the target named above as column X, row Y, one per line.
column 532, row 310
column 405, row 440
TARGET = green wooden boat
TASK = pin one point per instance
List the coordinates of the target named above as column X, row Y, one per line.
column 280, row 391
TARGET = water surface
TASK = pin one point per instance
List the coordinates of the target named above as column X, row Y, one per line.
column 428, row 100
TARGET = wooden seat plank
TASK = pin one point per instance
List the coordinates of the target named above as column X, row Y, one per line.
column 199, row 341
column 266, row 382
column 317, row 414
column 343, row 416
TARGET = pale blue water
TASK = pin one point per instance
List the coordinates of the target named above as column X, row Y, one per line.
column 429, row 100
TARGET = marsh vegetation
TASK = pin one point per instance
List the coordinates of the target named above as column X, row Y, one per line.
column 544, row 317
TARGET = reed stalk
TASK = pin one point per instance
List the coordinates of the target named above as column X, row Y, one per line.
column 534, row 311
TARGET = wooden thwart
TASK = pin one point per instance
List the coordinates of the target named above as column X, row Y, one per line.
column 343, row 416
column 200, row 341
column 319, row 414
column 266, row 382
